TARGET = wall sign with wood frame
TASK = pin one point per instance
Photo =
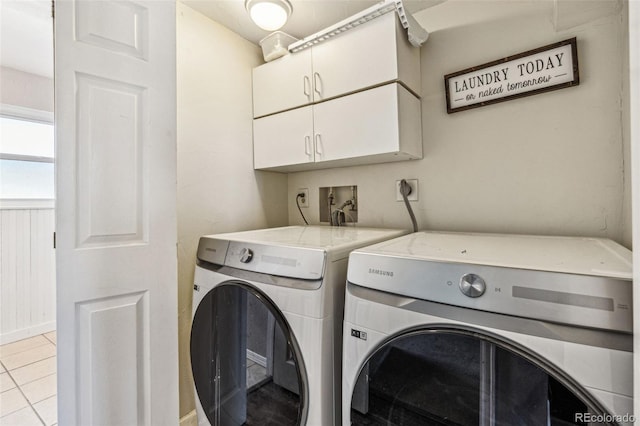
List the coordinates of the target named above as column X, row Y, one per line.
column 540, row 70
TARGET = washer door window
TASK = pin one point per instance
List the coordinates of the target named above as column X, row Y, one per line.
column 439, row 377
column 245, row 361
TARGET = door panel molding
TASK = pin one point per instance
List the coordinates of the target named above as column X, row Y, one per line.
column 113, row 386
column 111, row 162
column 94, row 26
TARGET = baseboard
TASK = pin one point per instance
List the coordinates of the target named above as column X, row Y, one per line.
column 25, row 333
column 190, row 419
column 257, row 358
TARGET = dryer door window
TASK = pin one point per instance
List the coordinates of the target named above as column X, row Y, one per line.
column 449, row 378
column 245, row 361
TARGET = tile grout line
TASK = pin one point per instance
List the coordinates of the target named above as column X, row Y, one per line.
column 19, row 387
column 49, row 342
column 31, row 363
column 38, row 414
column 28, row 338
column 56, row 394
column 26, row 399
column 45, row 336
column 10, row 377
column 35, row 380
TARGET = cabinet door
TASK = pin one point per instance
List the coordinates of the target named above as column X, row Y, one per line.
column 362, row 124
column 359, row 58
column 282, row 84
column 283, row 139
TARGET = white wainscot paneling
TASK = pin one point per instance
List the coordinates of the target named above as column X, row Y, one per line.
column 27, row 273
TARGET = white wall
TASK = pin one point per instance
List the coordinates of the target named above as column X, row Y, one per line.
column 218, row 190
column 552, row 163
column 22, row 89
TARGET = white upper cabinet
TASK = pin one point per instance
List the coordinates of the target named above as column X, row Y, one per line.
column 352, row 99
column 381, row 124
column 282, row 84
column 378, row 125
column 372, row 54
column 283, row 139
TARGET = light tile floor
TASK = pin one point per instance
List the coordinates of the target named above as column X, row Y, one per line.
column 28, row 382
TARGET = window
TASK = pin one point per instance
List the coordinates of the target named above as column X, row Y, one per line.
column 26, row 159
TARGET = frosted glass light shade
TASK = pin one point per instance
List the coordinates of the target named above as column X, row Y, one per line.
column 270, row 15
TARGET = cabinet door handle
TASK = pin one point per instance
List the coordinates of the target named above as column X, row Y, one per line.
column 317, row 83
column 318, row 144
column 307, row 147
column 307, row 86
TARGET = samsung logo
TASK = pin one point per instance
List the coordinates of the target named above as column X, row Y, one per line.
column 380, row 272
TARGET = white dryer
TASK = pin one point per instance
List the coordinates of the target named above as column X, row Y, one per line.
column 487, row 329
column 267, row 324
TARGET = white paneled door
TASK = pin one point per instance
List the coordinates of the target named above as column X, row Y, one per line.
column 115, row 122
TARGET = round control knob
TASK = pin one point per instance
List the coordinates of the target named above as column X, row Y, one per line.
column 246, row 255
column 472, row 285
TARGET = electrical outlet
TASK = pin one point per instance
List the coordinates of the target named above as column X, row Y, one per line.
column 413, row 196
column 303, row 201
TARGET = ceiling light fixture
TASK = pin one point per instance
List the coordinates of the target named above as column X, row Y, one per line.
column 269, row 15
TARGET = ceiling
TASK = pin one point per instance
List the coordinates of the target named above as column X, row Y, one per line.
column 26, row 27
column 26, row 36
column 308, row 17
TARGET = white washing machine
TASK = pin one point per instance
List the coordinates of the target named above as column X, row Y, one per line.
column 485, row 329
column 267, row 324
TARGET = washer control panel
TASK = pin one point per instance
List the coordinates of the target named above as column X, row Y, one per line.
column 472, row 285
column 564, row 298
